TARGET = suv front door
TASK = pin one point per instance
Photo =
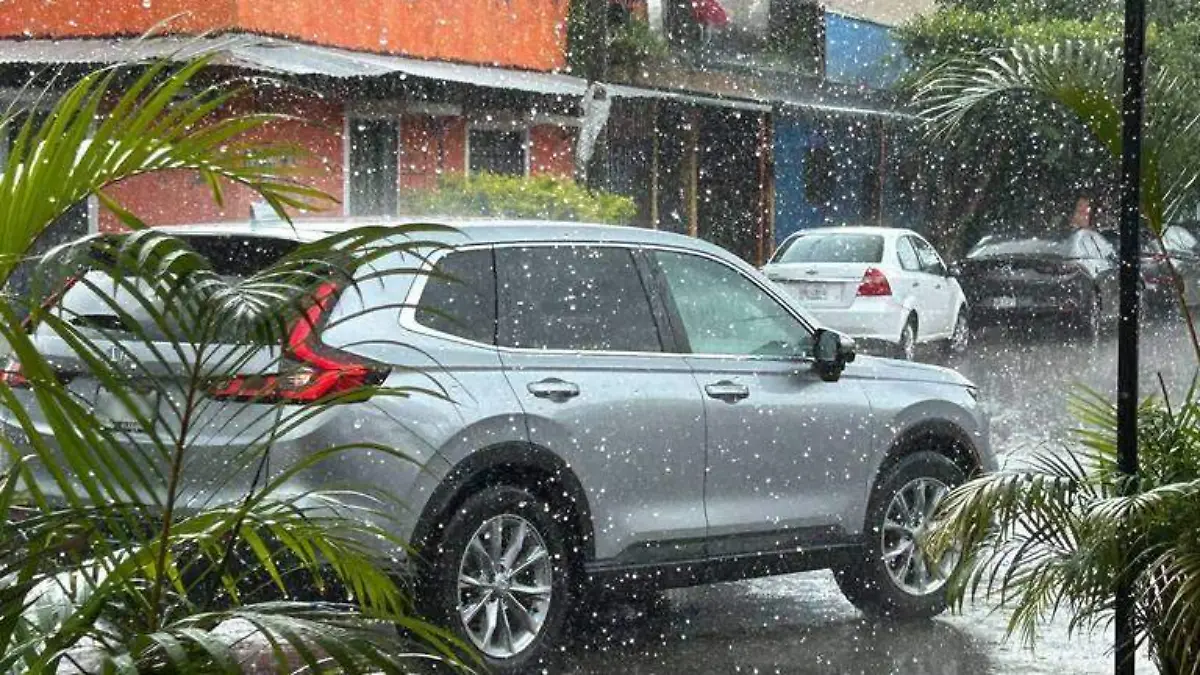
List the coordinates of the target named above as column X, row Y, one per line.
column 583, row 347
column 782, row 444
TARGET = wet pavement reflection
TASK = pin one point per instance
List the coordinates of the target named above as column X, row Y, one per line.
column 800, row 624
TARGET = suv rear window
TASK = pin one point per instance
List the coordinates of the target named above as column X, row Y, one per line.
column 240, row 256
column 585, row 298
column 833, row 248
column 90, row 306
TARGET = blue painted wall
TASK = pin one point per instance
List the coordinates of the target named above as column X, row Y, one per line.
column 861, row 53
column 854, row 152
column 792, row 210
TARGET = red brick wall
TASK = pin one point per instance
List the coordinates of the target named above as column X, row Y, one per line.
column 91, row 18
column 552, row 150
column 429, row 147
column 521, row 33
column 179, row 197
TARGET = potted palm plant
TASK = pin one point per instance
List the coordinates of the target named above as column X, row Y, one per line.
column 106, row 562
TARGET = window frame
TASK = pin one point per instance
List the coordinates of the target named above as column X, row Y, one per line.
column 413, row 303
column 666, row 339
column 504, row 122
column 675, row 320
column 919, row 243
column 20, row 102
column 671, row 347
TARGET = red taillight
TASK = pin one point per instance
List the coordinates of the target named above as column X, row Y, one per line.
column 874, row 283
column 315, row 372
column 12, row 375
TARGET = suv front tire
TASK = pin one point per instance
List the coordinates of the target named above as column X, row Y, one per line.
column 891, row 578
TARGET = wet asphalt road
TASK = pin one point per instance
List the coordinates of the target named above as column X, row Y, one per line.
column 801, row 624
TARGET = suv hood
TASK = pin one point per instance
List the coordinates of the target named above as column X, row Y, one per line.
column 876, row 368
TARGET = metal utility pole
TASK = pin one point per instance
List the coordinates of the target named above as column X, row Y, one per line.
column 1127, row 336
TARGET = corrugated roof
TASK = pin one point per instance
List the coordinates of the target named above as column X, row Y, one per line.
column 283, row 57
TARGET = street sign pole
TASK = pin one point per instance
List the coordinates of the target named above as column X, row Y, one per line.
column 1127, row 335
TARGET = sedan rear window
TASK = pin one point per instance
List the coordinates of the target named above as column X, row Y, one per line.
column 832, row 248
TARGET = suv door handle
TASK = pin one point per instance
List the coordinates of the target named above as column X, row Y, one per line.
column 554, row 389
column 727, row 391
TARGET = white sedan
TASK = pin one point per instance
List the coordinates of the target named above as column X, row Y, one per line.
column 876, row 284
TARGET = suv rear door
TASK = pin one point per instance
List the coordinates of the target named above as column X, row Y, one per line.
column 583, row 346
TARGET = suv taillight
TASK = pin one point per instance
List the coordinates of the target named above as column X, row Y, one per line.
column 874, row 283
column 12, row 374
column 309, row 371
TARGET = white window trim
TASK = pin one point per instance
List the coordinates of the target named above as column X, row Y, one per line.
column 548, row 119
column 397, row 108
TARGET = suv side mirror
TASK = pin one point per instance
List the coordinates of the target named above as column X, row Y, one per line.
column 831, row 352
column 953, row 269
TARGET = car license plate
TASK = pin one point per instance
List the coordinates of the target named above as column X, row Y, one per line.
column 114, row 413
column 812, row 292
column 1004, row 303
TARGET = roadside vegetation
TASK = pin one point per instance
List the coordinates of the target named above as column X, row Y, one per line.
column 1054, row 534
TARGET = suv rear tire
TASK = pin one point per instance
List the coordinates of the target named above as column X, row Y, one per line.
column 890, row 578
column 503, row 565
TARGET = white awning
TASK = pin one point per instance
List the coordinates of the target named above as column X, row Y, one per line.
column 625, row 91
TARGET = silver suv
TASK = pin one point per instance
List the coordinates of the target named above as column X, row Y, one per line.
column 624, row 408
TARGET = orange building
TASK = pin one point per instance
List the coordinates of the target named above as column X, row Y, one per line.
column 393, row 93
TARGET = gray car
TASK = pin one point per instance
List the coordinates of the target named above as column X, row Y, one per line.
column 624, row 409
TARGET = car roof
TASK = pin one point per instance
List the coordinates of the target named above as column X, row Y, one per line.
column 461, row 231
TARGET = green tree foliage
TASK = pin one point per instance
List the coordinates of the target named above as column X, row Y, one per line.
column 1050, row 536
column 1036, row 169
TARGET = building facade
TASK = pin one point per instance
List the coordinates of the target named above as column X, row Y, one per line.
column 387, row 96
column 739, row 121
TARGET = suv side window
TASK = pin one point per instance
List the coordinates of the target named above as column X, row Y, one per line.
column 907, row 254
column 579, row 298
column 460, row 296
column 725, row 313
column 931, row 262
